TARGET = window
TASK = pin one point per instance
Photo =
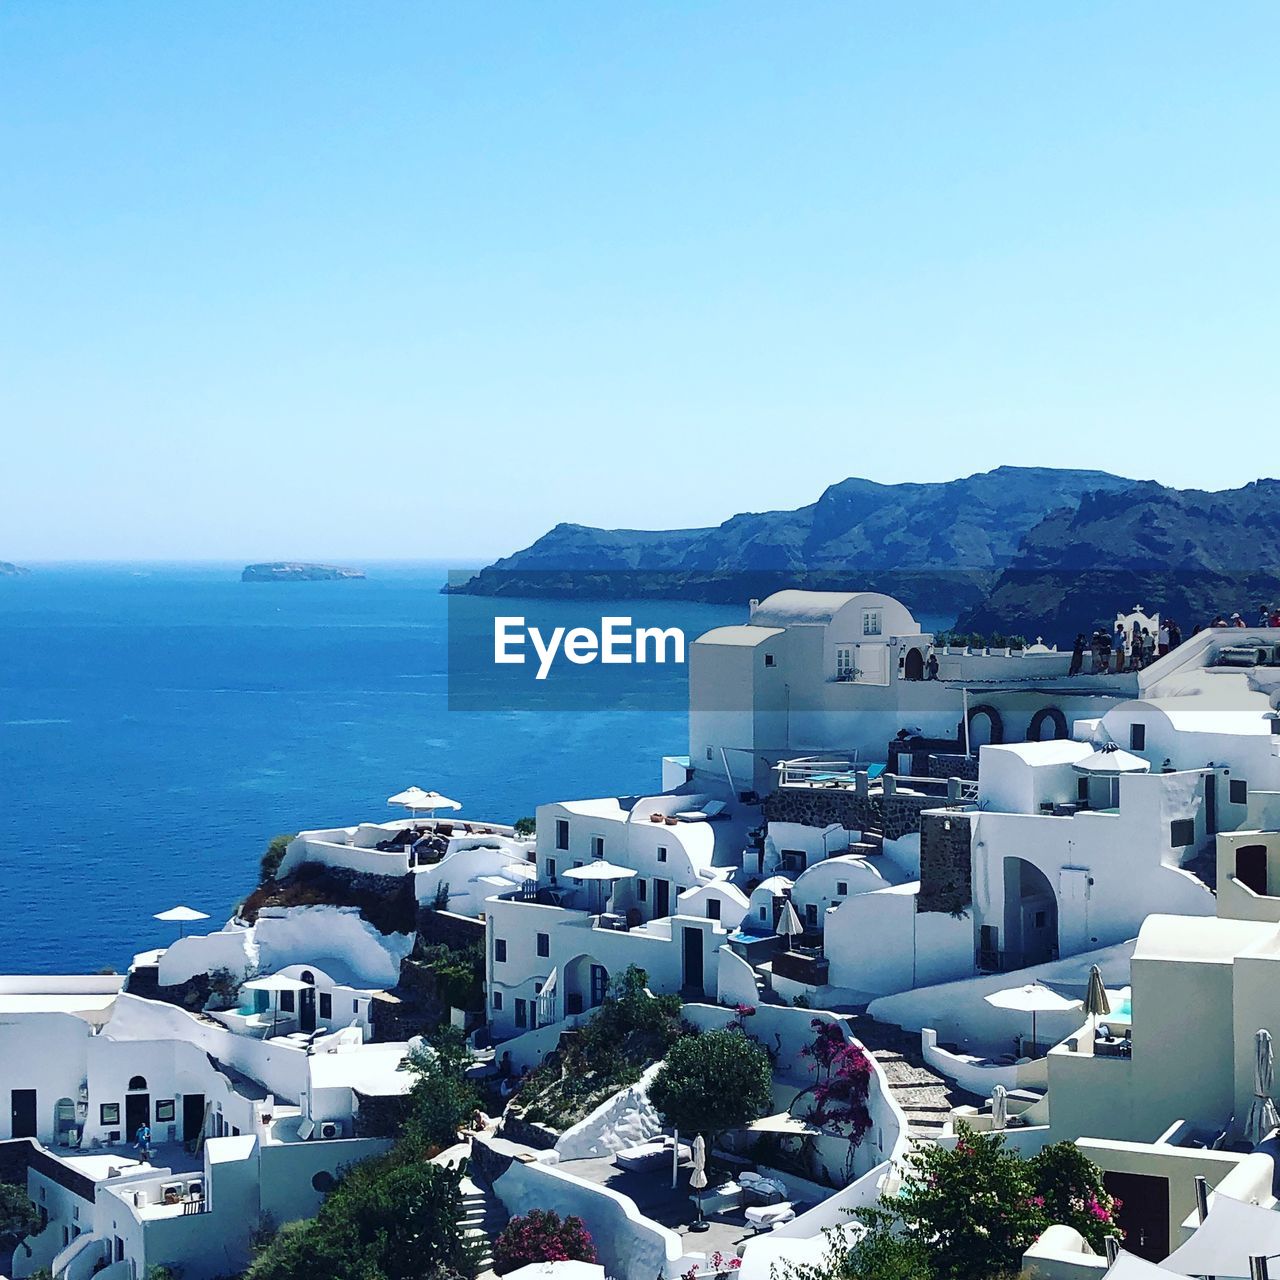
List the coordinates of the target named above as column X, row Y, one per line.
column 138, row 1084
column 871, row 622
column 1182, row 832
column 1239, row 791
column 497, row 999
column 286, row 1002
column 109, row 1113
column 1082, row 790
column 562, row 833
column 642, row 890
column 662, row 853
column 551, row 870
column 713, row 908
column 164, row 1111
column 522, row 1013
column 1039, row 920
column 844, row 662
column 842, row 888
column 1137, row 737
column 811, row 915
column 597, row 846
column 326, row 1004
column 355, row 1006
column 768, row 660
column 763, row 916
column 709, row 755
column 499, row 949
column 544, row 944
column 793, row 860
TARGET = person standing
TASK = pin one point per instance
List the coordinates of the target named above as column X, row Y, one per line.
column 1162, row 640
column 1175, row 634
column 1118, row 646
column 1077, row 655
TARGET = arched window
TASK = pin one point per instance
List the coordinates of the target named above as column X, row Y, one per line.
column 308, row 977
column 138, row 1084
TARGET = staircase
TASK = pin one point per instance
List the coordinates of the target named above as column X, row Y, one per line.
column 926, row 1097
column 483, row 1217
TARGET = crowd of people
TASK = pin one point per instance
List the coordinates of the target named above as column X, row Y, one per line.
column 1139, row 646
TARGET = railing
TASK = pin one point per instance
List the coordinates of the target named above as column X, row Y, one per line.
column 811, row 771
column 993, row 960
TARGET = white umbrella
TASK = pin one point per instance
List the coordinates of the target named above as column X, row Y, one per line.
column 1262, row 1111
column 414, row 798
column 1111, row 760
column 183, row 916
column 598, row 871
column 276, row 982
column 1033, row 998
column 565, row 1270
column 789, row 925
column 999, row 1107
column 698, row 1178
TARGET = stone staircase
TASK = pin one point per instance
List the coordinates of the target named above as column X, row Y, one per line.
column 483, row 1217
column 926, row 1097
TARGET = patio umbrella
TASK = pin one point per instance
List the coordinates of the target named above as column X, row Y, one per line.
column 276, row 982
column 183, row 916
column 789, row 925
column 414, row 798
column 1096, row 1004
column 1033, row 998
column 1110, row 759
column 999, row 1107
column 599, row 873
column 564, row 1270
column 698, row 1179
column 1262, row 1111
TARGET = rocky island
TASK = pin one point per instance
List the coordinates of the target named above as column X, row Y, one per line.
column 9, row 570
column 294, row 571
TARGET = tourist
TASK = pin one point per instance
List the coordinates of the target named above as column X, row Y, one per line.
column 1175, row 634
column 1077, row 656
column 1237, row 620
column 142, row 1140
column 1162, row 639
column 1118, row 646
column 1219, row 621
column 1264, row 615
column 931, row 667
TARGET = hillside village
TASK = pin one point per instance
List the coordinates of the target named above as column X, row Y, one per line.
column 894, row 898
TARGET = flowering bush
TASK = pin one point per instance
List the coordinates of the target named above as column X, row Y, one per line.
column 722, row 1267
column 542, row 1236
column 843, row 1084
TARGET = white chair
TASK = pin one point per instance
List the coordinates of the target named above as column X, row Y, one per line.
column 767, row 1216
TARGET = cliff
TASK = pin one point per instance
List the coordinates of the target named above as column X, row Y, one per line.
column 292, row 571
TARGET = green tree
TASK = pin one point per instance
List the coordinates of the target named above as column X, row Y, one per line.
column 525, row 826
column 274, row 856
column 882, row 1251
column 712, row 1082
column 442, row 1099
column 18, row 1216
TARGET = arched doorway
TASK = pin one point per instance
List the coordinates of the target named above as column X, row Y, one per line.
column 66, row 1130
column 1047, row 725
column 137, row 1107
column 586, row 983
column 986, row 728
column 914, row 669
column 1030, row 915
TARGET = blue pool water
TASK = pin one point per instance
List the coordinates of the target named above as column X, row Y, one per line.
column 158, row 723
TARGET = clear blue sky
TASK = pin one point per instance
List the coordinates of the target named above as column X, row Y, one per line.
column 409, row 279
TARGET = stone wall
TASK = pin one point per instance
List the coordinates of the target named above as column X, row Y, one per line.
column 952, row 765
column 821, row 806
column 945, row 863
column 450, row 928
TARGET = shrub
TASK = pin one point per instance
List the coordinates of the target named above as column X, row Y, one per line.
column 542, row 1236
column 844, row 1081
column 525, row 826
column 273, row 857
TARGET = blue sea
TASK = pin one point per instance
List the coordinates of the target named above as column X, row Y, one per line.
column 160, row 722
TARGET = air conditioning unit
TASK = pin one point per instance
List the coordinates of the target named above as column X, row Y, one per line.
column 330, row 1129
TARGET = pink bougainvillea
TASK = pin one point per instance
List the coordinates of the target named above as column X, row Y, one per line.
column 542, row 1236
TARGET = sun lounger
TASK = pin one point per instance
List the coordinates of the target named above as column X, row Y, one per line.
column 767, row 1216
column 649, row 1155
column 709, row 812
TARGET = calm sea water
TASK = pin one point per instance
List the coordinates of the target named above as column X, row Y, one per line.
column 159, row 723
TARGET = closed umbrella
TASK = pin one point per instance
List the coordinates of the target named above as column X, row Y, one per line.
column 182, row 916
column 698, row 1179
column 1262, row 1111
column 1096, row 1004
column 999, row 1107
column 789, row 925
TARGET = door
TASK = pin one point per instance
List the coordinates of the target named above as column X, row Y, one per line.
column 192, row 1116
column 22, row 1113
column 661, row 898
column 1251, row 867
column 137, row 1112
column 1210, row 803
column 307, row 1009
column 599, row 985
column 872, row 663
column 693, row 959
column 1144, row 1213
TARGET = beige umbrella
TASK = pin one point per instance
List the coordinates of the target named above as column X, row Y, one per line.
column 698, row 1179
column 1096, row 1004
column 182, row 916
column 414, row 798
